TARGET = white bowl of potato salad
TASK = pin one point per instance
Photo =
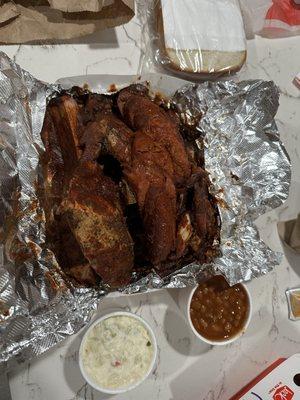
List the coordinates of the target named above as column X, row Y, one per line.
column 117, row 352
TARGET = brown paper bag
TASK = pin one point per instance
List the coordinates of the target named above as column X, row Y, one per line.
column 79, row 6
column 45, row 20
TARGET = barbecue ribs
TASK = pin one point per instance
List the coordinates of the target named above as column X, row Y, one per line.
column 85, row 223
column 123, row 188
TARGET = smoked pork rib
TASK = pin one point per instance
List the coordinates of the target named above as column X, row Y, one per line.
column 58, row 233
column 85, row 235
column 197, row 224
column 158, row 162
column 108, row 157
column 205, row 219
column 107, row 133
column 52, row 167
column 95, row 217
column 149, row 177
column 146, row 167
column 141, row 114
column 160, row 221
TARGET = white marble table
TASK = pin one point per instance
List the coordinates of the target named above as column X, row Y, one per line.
column 186, row 369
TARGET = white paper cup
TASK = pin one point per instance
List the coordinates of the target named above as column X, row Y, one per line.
column 184, row 302
column 129, row 387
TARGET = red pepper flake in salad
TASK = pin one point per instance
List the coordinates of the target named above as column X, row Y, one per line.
column 116, row 363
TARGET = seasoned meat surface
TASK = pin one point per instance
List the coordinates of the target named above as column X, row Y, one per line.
column 141, row 113
column 52, row 167
column 159, row 218
column 205, row 216
column 60, row 238
column 159, row 162
column 124, row 190
column 124, row 94
column 83, row 274
column 95, row 217
column 109, row 134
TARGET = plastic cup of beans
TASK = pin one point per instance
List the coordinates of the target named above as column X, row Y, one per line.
column 217, row 313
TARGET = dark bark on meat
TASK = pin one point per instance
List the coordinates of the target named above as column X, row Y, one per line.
column 118, row 197
column 52, row 167
column 92, row 105
column 95, row 217
column 107, row 133
column 205, row 219
column 58, row 233
column 150, row 165
column 62, row 155
column 146, row 163
column 148, row 151
column 159, row 218
column 124, row 94
column 64, row 245
column 140, row 113
column 158, row 156
column 156, row 197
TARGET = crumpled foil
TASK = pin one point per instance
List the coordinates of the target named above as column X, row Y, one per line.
column 38, row 308
column 250, row 173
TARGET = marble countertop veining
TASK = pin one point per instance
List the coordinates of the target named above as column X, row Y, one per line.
column 186, row 369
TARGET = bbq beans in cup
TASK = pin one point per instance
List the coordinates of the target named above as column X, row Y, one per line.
column 218, row 313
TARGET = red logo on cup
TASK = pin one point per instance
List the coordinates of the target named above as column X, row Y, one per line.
column 283, row 393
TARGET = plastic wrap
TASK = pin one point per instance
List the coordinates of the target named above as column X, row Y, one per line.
column 194, row 39
column 272, row 18
column 39, row 306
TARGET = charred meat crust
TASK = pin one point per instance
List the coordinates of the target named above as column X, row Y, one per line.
column 123, row 189
column 92, row 209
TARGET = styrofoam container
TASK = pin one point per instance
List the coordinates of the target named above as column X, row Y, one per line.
column 89, row 379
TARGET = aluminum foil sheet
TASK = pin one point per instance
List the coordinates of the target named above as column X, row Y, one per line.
column 250, row 173
column 38, row 308
column 248, row 165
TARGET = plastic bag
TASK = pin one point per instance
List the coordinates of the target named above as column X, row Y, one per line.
column 193, row 39
column 277, row 18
